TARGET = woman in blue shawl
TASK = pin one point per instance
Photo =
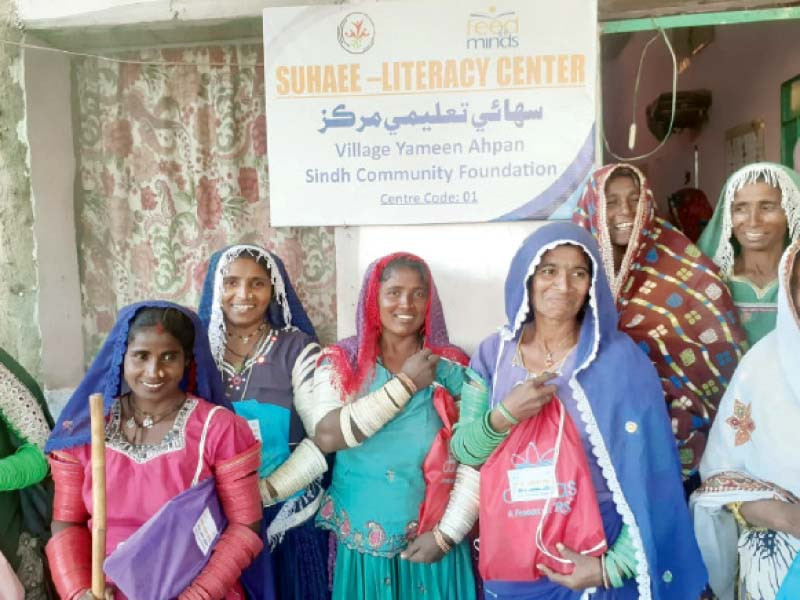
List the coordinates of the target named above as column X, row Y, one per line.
column 562, row 331
column 265, row 348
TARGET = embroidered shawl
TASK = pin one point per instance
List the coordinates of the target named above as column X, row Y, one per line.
column 353, row 359
column 674, row 305
column 105, row 376
column 285, row 311
column 620, row 403
column 751, row 452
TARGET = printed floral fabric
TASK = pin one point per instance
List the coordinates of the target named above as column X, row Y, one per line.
column 673, row 304
column 172, row 165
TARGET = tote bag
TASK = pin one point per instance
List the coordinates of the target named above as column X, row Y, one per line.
column 165, row 554
column 536, row 491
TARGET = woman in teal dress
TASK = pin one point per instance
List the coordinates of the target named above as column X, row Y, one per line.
column 25, row 425
column 375, row 405
column 757, row 215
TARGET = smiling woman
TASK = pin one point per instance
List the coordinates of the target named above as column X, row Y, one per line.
column 380, row 402
column 757, row 213
column 167, row 428
column 265, row 348
column 670, row 301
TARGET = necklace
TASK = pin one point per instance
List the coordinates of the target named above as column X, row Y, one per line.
column 247, row 337
column 550, row 363
column 148, row 420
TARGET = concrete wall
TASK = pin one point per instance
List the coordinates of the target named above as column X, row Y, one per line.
column 743, row 68
column 19, row 326
column 47, row 77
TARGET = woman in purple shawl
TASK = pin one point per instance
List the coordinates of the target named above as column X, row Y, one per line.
column 561, row 337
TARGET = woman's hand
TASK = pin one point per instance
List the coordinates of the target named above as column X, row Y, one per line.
column 524, row 401
column 421, row 367
column 587, row 572
column 423, row 549
column 773, row 514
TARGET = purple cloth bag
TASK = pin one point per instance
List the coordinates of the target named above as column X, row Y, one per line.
column 165, row 554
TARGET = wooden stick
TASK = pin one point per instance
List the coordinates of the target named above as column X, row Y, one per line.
column 98, row 494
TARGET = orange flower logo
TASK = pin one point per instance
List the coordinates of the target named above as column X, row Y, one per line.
column 356, row 33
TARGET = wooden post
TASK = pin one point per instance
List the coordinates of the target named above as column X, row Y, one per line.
column 98, row 494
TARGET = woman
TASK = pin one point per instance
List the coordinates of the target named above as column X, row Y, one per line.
column 670, row 301
column 25, row 423
column 751, row 475
column 166, row 425
column 375, row 398
column 561, row 337
column 757, row 213
column 265, row 348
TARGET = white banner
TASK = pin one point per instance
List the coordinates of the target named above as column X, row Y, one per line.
column 428, row 112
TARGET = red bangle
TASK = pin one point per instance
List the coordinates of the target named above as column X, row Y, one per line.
column 69, row 553
column 237, row 487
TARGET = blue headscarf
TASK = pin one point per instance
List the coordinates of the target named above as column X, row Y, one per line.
column 622, row 406
column 105, row 376
column 284, row 311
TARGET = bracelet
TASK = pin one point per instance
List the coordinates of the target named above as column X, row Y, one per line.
column 409, row 384
column 507, row 414
column 346, row 426
column 304, row 465
column 371, row 412
column 440, row 541
column 603, row 570
column 463, row 506
column 614, row 576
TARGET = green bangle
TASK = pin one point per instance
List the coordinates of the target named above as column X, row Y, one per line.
column 507, row 414
column 614, row 576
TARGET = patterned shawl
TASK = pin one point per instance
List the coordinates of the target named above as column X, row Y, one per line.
column 353, row 358
column 105, row 376
column 717, row 239
column 619, row 399
column 284, row 311
column 751, row 453
column 675, row 307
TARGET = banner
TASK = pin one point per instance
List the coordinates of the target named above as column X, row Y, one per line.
column 428, row 112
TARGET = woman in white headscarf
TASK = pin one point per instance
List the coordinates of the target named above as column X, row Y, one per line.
column 747, row 512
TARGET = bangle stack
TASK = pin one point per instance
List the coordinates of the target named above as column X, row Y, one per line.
column 620, row 560
column 371, row 412
column 440, row 541
column 462, row 509
column 409, row 384
column 303, row 466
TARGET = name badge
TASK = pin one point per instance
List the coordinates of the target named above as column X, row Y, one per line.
column 205, row 531
column 532, row 483
column 255, row 427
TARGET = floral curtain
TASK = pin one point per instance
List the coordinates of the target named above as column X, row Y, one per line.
column 172, row 165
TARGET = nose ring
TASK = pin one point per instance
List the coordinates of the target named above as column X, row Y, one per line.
column 250, row 296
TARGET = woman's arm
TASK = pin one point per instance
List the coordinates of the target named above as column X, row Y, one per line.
column 772, row 514
column 346, row 426
column 69, row 551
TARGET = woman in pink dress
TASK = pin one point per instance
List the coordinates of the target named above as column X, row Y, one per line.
column 167, row 421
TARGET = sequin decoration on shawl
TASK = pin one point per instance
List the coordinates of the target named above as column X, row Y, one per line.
column 285, row 311
column 675, row 307
column 354, row 358
column 751, row 455
column 757, row 306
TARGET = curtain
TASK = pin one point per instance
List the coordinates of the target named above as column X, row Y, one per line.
column 172, row 165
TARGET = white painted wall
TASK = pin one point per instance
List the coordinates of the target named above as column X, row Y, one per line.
column 469, row 265
column 49, row 123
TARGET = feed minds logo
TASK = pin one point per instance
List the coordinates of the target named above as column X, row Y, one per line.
column 492, row 29
column 356, row 33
